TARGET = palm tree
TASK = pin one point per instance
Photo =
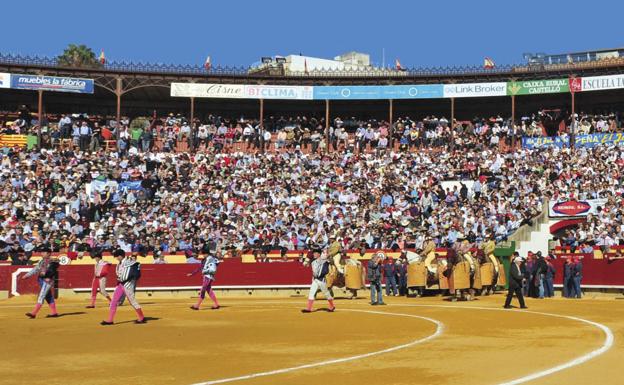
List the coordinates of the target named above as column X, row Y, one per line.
column 78, row 56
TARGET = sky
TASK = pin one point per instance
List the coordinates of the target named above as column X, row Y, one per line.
column 234, row 32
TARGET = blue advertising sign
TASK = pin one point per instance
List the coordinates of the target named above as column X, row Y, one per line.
column 593, row 140
column 544, row 141
column 51, row 83
column 422, row 91
column 587, row 141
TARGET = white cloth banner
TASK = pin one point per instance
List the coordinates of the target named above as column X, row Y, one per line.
column 5, row 80
column 279, row 92
column 241, row 91
column 596, row 83
column 211, row 90
column 471, row 90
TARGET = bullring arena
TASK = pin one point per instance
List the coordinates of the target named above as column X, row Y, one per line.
column 260, row 336
column 307, row 220
column 268, row 341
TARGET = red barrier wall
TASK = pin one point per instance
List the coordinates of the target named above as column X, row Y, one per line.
column 596, row 272
column 233, row 273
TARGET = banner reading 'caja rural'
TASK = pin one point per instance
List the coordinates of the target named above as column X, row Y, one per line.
column 535, row 87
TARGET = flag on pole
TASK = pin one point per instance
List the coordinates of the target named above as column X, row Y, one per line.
column 398, row 66
column 208, row 64
column 102, row 57
column 488, row 63
column 305, row 66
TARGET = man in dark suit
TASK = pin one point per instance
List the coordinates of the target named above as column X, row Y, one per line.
column 515, row 283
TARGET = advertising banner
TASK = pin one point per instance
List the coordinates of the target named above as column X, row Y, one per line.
column 574, row 208
column 241, row 91
column 423, row 91
column 545, row 141
column 535, row 87
column 587, row 141
column 597, row 83
column 52, row 83
column 5, row 80
column 471, row 90
column 592, row 140
column 575, row 84
column 199, row 90
column 279, row 92
column 415, row 91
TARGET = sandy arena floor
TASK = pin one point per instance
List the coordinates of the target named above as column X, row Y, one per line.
column 268, row 341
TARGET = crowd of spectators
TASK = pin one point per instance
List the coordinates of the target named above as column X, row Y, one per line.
column 309, row 134
column 218, row 133
column 593, row 174
column 84, row 198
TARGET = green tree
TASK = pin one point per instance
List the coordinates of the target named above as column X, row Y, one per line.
column 78, row 56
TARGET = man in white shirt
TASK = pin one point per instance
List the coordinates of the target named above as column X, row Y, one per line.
column 267, row 139
column 185, row 131
column 65, row 125
column 85, row 136
column 248, row 132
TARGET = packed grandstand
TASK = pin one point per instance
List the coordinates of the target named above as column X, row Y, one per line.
column 166, row 182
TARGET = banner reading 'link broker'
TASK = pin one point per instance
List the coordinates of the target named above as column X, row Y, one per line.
column 471, row 90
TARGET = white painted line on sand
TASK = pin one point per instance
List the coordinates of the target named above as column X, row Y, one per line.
column 438, row 332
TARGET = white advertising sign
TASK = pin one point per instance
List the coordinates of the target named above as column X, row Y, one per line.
column 199, row 90
column 595, row 83
column 5, row 80
column 240, row 91
column 279, row 92
column 574, row 208
column 471, row 90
